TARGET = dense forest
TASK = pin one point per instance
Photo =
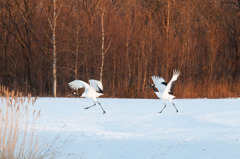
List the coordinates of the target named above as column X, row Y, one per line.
column 44, row 44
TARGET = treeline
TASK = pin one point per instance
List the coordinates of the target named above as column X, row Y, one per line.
column 122, row 42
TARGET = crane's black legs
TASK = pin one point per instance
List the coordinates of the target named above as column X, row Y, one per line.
column 163, row 108
column 175, row 107
column 90, row 106
column 94, row 105
column 101, row 107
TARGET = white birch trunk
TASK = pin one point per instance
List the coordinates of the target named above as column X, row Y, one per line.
column 76, row 51
column 103, row 52
column 54, row 50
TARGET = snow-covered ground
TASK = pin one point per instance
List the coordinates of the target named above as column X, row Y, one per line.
column 133, row 128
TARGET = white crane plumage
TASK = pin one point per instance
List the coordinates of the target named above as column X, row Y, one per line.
column 164, row 90
column 92, row 91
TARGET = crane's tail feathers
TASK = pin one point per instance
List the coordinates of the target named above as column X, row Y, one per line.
column 171, row 97
column 99, row 94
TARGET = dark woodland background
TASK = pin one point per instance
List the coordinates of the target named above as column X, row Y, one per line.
column 201, row 38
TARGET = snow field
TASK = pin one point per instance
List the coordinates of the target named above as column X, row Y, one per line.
column 133, row 128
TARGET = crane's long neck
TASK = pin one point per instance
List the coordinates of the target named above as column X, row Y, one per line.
column 154, row 88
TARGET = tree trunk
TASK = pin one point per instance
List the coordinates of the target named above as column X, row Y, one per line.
column 102, row 64
column 54, row 50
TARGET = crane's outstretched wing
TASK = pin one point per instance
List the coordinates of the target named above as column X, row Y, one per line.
column 170, row 85
column 159, row 82
column 77, row 84
column 97, row 85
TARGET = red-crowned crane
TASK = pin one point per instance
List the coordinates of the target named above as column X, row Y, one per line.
column 164, row 90
column 92, row 91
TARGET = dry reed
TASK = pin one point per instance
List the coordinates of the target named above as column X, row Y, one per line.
column 18, row 137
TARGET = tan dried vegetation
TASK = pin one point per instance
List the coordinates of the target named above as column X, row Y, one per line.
column 18, row 136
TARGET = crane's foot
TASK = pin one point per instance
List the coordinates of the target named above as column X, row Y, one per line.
column 175, row 107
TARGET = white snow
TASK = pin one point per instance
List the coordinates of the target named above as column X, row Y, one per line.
column 133, row 128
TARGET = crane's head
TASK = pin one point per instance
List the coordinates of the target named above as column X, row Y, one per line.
column 75, row 94
column 153, row 86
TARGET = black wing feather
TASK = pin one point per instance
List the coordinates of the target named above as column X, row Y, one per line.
column 99, row 89
column 171, row 88
column 164, row 83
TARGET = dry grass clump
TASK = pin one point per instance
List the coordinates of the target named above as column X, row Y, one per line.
column 18, row 137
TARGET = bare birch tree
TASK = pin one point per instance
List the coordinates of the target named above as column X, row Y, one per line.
column 52, row 24
column 103, row 49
